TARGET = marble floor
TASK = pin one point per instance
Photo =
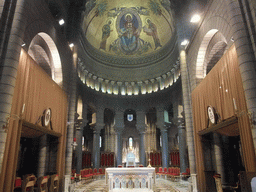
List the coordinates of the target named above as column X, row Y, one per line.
column 162, row 185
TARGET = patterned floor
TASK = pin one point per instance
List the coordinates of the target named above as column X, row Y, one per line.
column 162, row 185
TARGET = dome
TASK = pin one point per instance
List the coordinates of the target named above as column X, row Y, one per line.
column 131, row 28
column 128, row 41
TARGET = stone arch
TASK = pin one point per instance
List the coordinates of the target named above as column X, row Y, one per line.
column 44, row 51
column 210, row 51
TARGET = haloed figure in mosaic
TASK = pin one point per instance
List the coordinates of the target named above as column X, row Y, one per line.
column 105, row 34
column 151, row 30
column 129, row 34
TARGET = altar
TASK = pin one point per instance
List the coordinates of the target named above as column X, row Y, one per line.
column 130, row 179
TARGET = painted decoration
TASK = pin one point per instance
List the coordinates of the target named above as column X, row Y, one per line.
column 130, row 117
column 132, row 28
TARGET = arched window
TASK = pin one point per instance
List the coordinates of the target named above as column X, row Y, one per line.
column 130, row 142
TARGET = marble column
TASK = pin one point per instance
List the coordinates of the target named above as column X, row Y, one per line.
column 182, row 145
column 164, row 135
column 96, row 146
column 119, row 127
column 79, row 148
column 165, row 151
column 218, row 156
column 142, row 148
column 42, row 155
column 119, row 148
column 79, row 137
column 141, row 126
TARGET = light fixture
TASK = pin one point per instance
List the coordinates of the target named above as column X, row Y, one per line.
column 184, row 42
column 71, row 45
column 195, row 18
column 23, row 44
column 61, row 21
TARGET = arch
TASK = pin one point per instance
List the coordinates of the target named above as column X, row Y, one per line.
column 211, row 49
column 44, row 51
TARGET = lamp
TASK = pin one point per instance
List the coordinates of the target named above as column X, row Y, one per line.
column 61, row 21
column 195, row 18
column 184, row 42
column 71, row 45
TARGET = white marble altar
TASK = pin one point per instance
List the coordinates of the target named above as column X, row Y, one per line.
column 130, row 179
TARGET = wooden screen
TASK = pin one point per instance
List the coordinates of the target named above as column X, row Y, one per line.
column 220, row 88
column 36, row 91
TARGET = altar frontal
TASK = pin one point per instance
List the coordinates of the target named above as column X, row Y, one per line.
column 130, row 179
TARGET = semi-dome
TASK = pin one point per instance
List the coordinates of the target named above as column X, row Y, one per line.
column 128, row 28
column 128, row 41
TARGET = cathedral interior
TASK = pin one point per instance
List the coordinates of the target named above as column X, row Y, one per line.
column 91, row 85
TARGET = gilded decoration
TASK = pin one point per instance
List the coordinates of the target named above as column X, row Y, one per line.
column 128, row 28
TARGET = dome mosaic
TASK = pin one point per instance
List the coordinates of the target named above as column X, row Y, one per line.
column 128, row 28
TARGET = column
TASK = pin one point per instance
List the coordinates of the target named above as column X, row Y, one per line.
column 71, row 122
column 96, row 146
column 71, row 116
column 79, row 137
column 142, row 148
column 119, row 127
column 14, row 15
column 165, row 151
column 218, row 156
column 79, row 148
column 188, row 118
column 119, row 148
column 164, row 135
column 42, row 155
column 246, row 62
column 141, row 126
column 182, row 145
